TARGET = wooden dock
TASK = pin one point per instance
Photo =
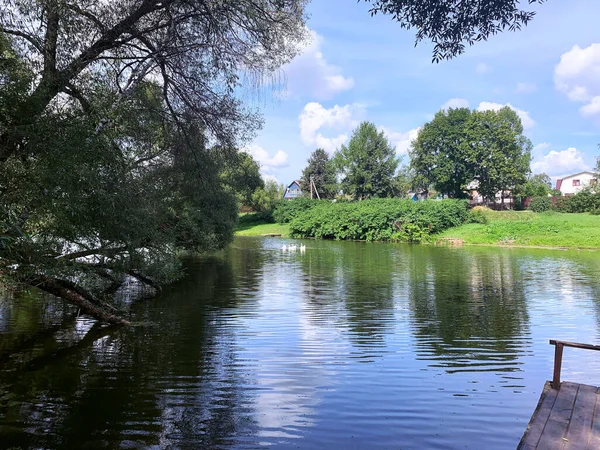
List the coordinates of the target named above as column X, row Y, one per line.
column 567, row 416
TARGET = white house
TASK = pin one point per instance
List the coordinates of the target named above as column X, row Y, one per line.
column 572, row 184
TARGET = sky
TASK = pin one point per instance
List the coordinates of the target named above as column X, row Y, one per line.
column 355, row 67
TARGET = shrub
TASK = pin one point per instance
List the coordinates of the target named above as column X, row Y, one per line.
column 478, row 215
column 286, row 210
column 379, row 220
column 584, row 201
column 540, row 204
column 595, row 212
column 562, row 204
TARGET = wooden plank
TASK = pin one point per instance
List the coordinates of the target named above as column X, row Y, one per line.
column 594, row 442
column 580, row 426
column 558, row 354
column 575, row 344
column 560, row 415
column 539, row 418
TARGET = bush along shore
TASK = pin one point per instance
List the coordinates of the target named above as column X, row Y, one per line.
column 430, row 221
column 395, row 220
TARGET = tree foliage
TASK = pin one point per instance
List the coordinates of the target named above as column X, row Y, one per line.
column 498, row 150
column 438, row 154
column 195, row 51
column 241, row 173
column 118, row 128
column 368, row 164
column 450, row 24
column 460, row 146
column 538, row 185
column 322, row 172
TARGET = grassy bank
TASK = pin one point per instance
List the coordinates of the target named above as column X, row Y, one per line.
column 531, row 229
column 251, row 225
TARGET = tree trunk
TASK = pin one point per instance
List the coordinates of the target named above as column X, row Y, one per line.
column 57, row 288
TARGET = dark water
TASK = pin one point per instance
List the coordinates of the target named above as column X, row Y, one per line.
column 349, row 345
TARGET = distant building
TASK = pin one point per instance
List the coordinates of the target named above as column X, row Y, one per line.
column 501, row 198
column 417, row 196
column 293, row 190
column 572, row 184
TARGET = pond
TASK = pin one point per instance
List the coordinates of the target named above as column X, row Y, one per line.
column 346, row 345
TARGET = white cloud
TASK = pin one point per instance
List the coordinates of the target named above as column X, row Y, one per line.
column 314, row 118
column 268, row 177
column 558, row 163
column 267, row 162
column 525, row 88
column 578, row 76
column 538, row 148
column 456, row 103
column 310, row 74
column 482, row 68
column 402, row 141
column 526, row 119
column 592, row 108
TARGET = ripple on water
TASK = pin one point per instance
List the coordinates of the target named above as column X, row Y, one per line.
column 349, row 345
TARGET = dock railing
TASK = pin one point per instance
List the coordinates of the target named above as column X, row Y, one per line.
column 558, row 354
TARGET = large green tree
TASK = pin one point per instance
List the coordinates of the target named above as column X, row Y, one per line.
column 241, row 173
column 460, row 146
column 196, row 51
column 495, row 144
column 368, row 164
column 438, row 155
column 321, row 171
column 450, row 24
column 106, row 115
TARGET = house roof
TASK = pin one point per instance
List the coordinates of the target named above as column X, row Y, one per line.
column 297, row 182
column 578, row 173
column 558, row 183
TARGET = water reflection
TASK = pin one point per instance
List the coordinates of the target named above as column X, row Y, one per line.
column 347, row 345
column 469, row 309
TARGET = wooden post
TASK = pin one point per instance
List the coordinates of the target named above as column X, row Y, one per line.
column 558, row 353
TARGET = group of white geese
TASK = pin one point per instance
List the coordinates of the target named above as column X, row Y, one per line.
column 293, row 248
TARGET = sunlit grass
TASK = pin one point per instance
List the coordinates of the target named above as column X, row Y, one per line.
column 251, row 225
column 531, row 229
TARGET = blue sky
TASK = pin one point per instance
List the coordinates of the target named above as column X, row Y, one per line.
column 357, row 67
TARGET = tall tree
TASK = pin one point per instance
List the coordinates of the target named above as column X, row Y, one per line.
column 450, row 24
column 368, row 164
column 240, row 173
column 106, row 112
column 494, row 143
column 196, row 51
column 438, row 156
column 321, row 171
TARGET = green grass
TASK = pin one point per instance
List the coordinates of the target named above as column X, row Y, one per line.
column 531, row 229
column 251, row 225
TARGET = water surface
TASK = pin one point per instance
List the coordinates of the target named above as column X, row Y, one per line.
column 348, row 345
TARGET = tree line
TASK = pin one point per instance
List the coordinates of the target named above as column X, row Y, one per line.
column 458, row 151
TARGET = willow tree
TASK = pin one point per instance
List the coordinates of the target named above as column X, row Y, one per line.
column 108, row 112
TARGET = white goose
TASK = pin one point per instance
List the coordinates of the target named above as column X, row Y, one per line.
column 302, row 248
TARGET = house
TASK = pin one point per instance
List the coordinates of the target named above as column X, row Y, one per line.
column 572, row 184
column 503, row 199
column 293, row 190
column 417, row 196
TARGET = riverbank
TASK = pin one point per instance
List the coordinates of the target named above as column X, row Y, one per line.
column 528, row 229
column 503, row 228
column 250, row 225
